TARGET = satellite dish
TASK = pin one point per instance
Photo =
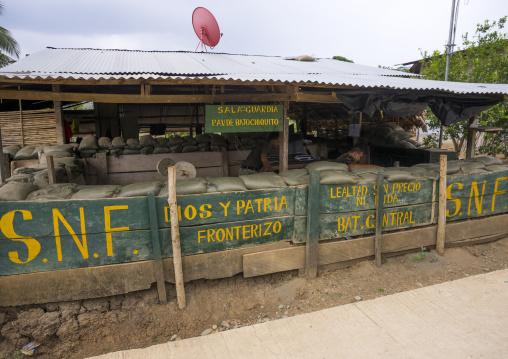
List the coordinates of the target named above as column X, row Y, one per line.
column 206, row 28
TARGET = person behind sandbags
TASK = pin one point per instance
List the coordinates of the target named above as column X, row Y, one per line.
column 257, row 161
column 352, row 157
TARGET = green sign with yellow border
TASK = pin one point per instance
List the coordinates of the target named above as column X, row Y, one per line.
column 244, row 118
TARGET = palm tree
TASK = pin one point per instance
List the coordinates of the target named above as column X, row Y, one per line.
column 7, row 44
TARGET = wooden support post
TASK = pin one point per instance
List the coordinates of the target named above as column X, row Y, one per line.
column 60, row 128
column 441, row 215
column 4, row 162
column 156, row 246
column 471, row 138
column 225, row 165
column 21, row 122
column 86, row 171
column 311, row 248
column 51, row 170
column 175, row 238
column 378, row 245
column 69, row 174
column 102, row 168
column 283, row 141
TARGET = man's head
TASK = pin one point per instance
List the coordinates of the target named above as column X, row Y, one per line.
column 356, row 152
column 273, row 140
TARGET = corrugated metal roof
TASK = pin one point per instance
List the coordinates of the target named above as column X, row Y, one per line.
column 95, row 64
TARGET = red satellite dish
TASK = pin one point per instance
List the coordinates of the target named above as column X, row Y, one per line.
column 206, row 28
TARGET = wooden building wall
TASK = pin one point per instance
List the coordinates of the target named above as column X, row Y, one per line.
column 28, row 127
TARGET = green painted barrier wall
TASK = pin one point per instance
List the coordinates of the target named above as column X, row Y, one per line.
column 46, row 236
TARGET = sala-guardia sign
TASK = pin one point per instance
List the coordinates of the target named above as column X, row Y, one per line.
column 243, row 118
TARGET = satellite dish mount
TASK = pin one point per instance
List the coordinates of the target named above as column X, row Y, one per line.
column 206, row 28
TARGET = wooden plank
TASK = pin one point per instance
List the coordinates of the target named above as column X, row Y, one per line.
column 57, row 104
column 68, row 171
column 441, row 219
column 229, row 207
column 378, row 246
column 284, row 141
column 225, row 166
column 102, row 168
column 362, row 196
column 311, row 251
column 75, row 284
column 156, row 247
column 231, row 235
column 175, row 238
column 339, row 225
column 237, row 157
column 278, row 260
column 51, row 170
column 4, row 162
column 22, row 163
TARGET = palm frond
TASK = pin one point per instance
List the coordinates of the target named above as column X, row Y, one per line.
column 7, row 43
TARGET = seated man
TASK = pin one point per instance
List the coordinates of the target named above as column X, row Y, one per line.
column 352, row 157
column 257, row 161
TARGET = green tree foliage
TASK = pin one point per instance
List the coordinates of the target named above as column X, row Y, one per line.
column 484, row 59
column 342, row 58
column 8, row 45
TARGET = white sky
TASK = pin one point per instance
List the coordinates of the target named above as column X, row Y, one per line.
column 370, row 32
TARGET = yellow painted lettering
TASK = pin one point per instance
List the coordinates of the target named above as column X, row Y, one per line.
column 205, row 213
column 225, row 208
column 475, row 192
column 267, row 204
column 82, row 246
column 220, row 237
column 239, row 205
column 7, row 227
column 496, row 192
column 367, row 222
column 283, row 202
column 249, row 206
column 277, row 226
column 108, row 229
column 201, row 236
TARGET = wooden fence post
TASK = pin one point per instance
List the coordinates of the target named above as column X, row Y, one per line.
column 175, row 238
column 441, row 219
column 51, row 170
column 311, row 248
column 378, row 245
column 156, row 246
column 225, row 164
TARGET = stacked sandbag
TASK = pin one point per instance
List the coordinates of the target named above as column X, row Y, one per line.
column 53, row 192
column 105, row 145
column 367, row 173
column 88, row 146
column 11, row 151
column 225, row 184
column 162, row 145
column 190, row 186
column 326, row 166
column 95, row 192
column 140, row 189
column 16, row 191
column 175, row 143
column 295, row 177
column 218, row 142
column 203, row 142
column 487, row 160
column 337, row 177
column 21, row 177
column 388, row 135
column 398, row 174
column 132, row 147
column 263, row 180
column 39, row 149
column 147, row 143
column 26, row 153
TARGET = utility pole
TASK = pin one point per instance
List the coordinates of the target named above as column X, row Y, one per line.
column 449, row 50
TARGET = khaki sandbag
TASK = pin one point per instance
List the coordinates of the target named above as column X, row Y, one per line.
column 263, row 180
column 292, row 181
column 413, row 142
column 59, row 148
column 21, row 177
column 294, row 173
column 162, row 142
column 452, row 167
column 487, row 160
column 128, row 151
column 191, row 186
column 94, row 192
column 326, row 166
column 105, row 143
column 11, row 151
column 382, row 131
column 16, row 191
column 57, row 154
column 147, row 150
column 118, row 142
column 496, row 168
column 50, row 192
column 477, row 171
column 140, row 189
column 338, row 177
column 362, row 170
column 71, row 161
column 368, row 176
column 218, row 140
column 35, row 153
column 26, row 170
column 89, row 142
column 87, row 153
column 225, row 184
column 398, row 135
column 132, row 144
column 203, row 138
column 468, row 166
column 404, row 144
column 25, row 153
column 189, row 148
column 176, row 140
column 190, row 141
column 398, row 176
column 161, row 149
column 147, row 140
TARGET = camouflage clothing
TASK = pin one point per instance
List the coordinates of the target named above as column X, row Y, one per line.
column 346, row 158
column 246, row 171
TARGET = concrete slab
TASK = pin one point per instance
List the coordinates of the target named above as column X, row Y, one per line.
column 467, row 318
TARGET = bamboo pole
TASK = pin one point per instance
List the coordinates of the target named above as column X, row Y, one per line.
column 175, row 238
column 441, row 219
